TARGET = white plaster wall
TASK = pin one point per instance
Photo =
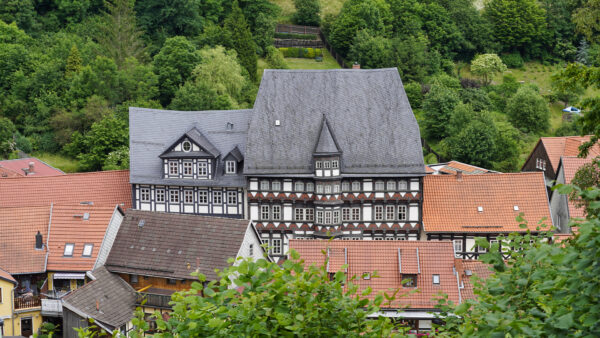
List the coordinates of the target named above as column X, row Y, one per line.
column 109, row 238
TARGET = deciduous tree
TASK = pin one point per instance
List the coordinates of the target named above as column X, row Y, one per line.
column 528, row 111
column 486, row 66
column 307, row 12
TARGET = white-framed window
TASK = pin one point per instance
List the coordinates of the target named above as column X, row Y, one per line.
column 379, row 186
column 173, row 168
column 188, row 196
column 87, row 250
column 160, row 195
column 328, row 189
column 145, row 194
column 186, row 146
column 276, row 210
column 436, row 279
column 378, row 238
column 402, row 185
column 264, row 185
column 379, row 212
column 402, row 212
column 251, row 250
column 230, row 167
column 309, row 214
column 264, row 212
column 276, row 185
column 69, row 247
column 187, row 168
column 299, row 186
column 264, row 241
column 345, row 186
column 336, row 216
column 326, row 165
column 174, row 196
column 203, row 197
column 356, row 214
column 320, row 217
column 458, row 247
column 318, row 164
column 310, row 187
column 232, row 197
column 299, row 214
column 346, row 214
column 335, row 164
column 336, row 188
column 319, row 188
column 217, row 197
column 356, row 186
column 544, row 165
column 202, row 169
column 327, row 217
column 391, row 185
column 390, row 212
column 276, row 246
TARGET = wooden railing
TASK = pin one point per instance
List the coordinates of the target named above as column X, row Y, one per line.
column 27, row 302
column 295, row 29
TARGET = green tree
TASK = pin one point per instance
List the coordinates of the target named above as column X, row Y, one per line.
column 528, row 111
column 72, row 11
column 438, row 107
column 486, row 66
column 7, row 130
column 98, row 78
column 241, row 39
column 372, row 51
column 475, row 143
column 586, row 19
column 275, row 59
column 20, row 11
column 587, row 176
column 516, row 24
column 307, row 12
column 73, row 62
column 117, row 159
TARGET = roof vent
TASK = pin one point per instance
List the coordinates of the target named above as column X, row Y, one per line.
column 141, row 223
column 86, row 216
column 87, row 202
column 277, row 122
column 77, row 216
column 480, row 209
column 516, row 208
column 468, row 272
column 39, row 244
column 229, row 126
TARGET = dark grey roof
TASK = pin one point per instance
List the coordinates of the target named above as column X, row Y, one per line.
column 116, row 299
column 236, row 153
column 326, row 143
column 367, row 110
column 152, row 131
column 173, row 245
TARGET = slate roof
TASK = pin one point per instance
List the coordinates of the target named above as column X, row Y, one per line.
column 450, row 203
column 151, row 131
column 114, row 297
column 18, row 227
column 101, row 188
column 454, row 167
column 367, row 110
column 326, row 143
column 69, row 226
column 435, row 257
column 40, row 168
column 174, row 245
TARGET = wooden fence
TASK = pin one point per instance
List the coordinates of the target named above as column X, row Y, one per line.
column 322, row 43
column 294, row 29
column 336, row 56
column 281, row 43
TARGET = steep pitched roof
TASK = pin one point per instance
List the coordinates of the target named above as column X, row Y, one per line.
column 367, row 109
column 6, row 276
column 556, row 147
column 18, row 227
column 571, row 165
column 468, row 270
column 451, row 204
column 326, row 143
column 70, row 226
column 174, row 245
column 101, row 188
column 21, row 167
column 382, row 256
column 107, row 299
column 195, row 136
column 454, row 167
column 151, row 131
column 236, row 154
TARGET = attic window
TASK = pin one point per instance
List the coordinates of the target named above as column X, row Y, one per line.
column 516, row 208
column 409, row 281
column 86, row 216
column 480, row 209
column 69, row 250
column 367, row 275
column 230, row 167
column 277, row 122
column 436, row 279
column 186, row 146
column 229, row 126
column 87, row 250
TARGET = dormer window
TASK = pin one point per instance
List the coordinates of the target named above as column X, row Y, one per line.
column 335, row 164
column 326, row 164
column 173, row 168
column 230, row 167
column 409, row 280
column 318, row 164
column 186, row 146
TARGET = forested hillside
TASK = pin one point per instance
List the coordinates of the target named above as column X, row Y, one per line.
column 479, row 78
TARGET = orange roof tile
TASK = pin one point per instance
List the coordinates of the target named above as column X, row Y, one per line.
column 102, row 188
column 7, row 277
column 5, row 172
column 40, row 168
column 382, row 256
column 18, row 227
column 453, row 167
column 565, row 146
column 475, row 268
column 451, row 204
column 571, row 165
column 69, row 226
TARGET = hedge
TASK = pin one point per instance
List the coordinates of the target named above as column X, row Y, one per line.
column 296, row 52
column 296, row 36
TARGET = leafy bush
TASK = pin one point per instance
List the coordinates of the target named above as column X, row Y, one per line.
column 23, row 144
column 296, row 52
column 296, row 36
column 512, row 60
column 307, row 12
column 275, row 58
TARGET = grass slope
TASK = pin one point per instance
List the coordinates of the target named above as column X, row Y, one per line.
column 63, row 163
column 301, row 63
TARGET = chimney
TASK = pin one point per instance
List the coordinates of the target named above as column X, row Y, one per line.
column 459, row 175
column 31, row 171
column 356, row 65
column 39, row 244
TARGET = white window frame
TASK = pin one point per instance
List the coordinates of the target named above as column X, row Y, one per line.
column 327, row 188
column 160, row 195
column 457, row 245
column 356, row 214
column 402, row 185
column 299, row 214
column 202, row 169
column 327, row 217
column 390, row 210
column 345, row 186
column 402, row 213
column 299, row 186
column 379, row 212
column 188, row 168
column 173, row 168
column 310, row 187
column 391, row 185
column 217, row 197
column 69, row 249
column 203, row 197
column 319, row 189
column 231, row 197
column 145, row 194
column 264, row 212
column 276, row 246
column 188, row 196
column 379, row 186
column 89, row 247
column 335, row 164
column 326, row 165
column 230, row 167
column 336, row 217
column 276, row 212
column 318, row 165
column 320, row 216
column 356, row 186
column 336, row 188
column 309, row 214
column 264, row 185
column 276, row 186
column 345, row 214
column 435, row 279
column 174, row 196
column 183, row 146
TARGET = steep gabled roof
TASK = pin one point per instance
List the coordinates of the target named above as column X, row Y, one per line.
column 367, row 110
column 326, row 144
column 451, row 204
column 571, row 165
column 195, row 136
column 174, row 245
column 468, row 270
column 21, row 167
column 556, row 147
column 435, row 257
column 236, row 154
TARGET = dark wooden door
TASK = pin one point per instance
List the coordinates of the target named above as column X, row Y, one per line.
column 26, row 327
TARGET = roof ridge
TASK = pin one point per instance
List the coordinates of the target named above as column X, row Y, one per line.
column 141, row 109
column 329, row 70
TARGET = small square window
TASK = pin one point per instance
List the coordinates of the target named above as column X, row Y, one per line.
column 345, row 186
column 310, row 187
column 379, row 186
column 173, row 168
column 276, row 185
column 318, row 164
column 232, row 197
column 230, row 167
column 87, row 250
column 356, row 186
column 145, row 194
column 188, row 196
column 409, row 281
column 299, row 186
column 203, row 197
column 436, row 279
column 187, row 168
column 69, row 249
column 133, row 279
column 335, row 164
column 202, row 169
column 391, row 185
column 217, row 197
column 174, row 196
column 402, row 185
column 264, row 185
column 160, row 195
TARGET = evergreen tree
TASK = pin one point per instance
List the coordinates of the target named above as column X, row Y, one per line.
column 241, row 39
column 73, row 62
column 307, row 12
column 582, row 55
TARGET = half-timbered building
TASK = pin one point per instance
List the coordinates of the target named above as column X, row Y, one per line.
column 188, row 162
column 333, row 153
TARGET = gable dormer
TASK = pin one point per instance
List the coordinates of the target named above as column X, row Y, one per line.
column 192, row 156
column 327, row 153
column 233, row 161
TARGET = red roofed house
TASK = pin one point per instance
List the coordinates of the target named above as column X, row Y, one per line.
column 107, row 188
column 462, row 207
column 428, row 267
column 30, row 167
column 454, row 167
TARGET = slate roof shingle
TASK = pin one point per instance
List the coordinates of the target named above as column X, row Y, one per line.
column 367, row 110
column 451, row 204
column 40, row 168
column 101, row 188
column 382, row 256
column 174, row 245
column 116, row 299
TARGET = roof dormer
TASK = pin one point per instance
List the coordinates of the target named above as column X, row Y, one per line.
column 326, row 155
column 232, row 161
column 192, row 144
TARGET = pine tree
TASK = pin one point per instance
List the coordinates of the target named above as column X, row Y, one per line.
column 240, row 38
column 73, row 62
column 582, row 53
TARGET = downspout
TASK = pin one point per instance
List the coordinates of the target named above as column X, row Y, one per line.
column 12, row 310
column 458, row 285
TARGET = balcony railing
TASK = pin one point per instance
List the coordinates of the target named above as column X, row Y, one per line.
column 51, row 307
column 153, row 300
column 27, row 302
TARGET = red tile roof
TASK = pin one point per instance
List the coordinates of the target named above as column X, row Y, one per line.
column 475, row 269
column 69, row 226
column 565, row 146
column 454, row 167
column 382, row 256
column 40, row 168
column 5, row 172
column 7, row 277
column 103, row 188
column 451, row 204
column 571, row 165
column 18, row 227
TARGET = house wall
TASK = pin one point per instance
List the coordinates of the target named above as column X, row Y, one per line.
column 539, row 152
column 6, row 290
column 559, row 206
column 156, row 282
column 109, row 237
column 251, row 239
column 71, row 321
column 35, row 314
